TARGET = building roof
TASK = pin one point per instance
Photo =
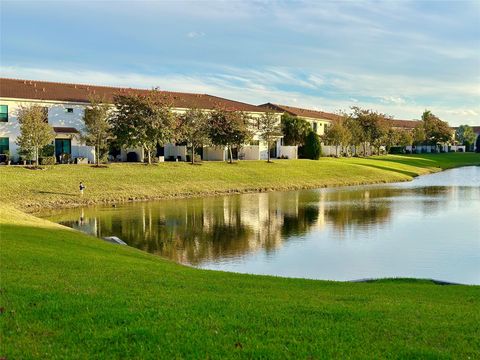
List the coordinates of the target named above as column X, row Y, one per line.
column 301, row 112
column 404, row 124
column 54, row 91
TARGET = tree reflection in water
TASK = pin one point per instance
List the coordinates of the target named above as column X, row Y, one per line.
column 195, row 230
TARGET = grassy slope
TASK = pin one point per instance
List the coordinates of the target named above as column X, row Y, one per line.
column 58, row 185
column 66, row 295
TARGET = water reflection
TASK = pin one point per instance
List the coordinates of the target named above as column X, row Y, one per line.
column 232, row 231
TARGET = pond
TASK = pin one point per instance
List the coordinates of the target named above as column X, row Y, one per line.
column 427, row 228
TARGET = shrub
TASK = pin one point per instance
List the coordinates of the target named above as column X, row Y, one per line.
column 47, row 160
column 312, row 148
column 460, row 150
column 397, row 150
column 48, row 150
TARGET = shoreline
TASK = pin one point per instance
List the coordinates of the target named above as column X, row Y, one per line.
column 127, row 183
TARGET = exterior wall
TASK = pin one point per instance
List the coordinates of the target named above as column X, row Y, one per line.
column 214, row 153
column 175, row 151
column 290, row 152
column 57, row 117
column 321, row 124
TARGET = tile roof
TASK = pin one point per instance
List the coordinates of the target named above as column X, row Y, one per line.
column 45, row 90
column 404, row 124
column 301, row 112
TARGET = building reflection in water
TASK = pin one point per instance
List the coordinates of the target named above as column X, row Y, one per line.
column 195, row 230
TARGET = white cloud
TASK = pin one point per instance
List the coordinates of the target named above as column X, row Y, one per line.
column 257, row 87
column 195, row 34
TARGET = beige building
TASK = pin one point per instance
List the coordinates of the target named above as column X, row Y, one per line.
column 65, row 106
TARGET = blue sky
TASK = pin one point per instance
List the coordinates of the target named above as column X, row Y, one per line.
column 398, row 57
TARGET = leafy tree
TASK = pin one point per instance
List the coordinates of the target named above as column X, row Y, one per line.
column 355, row 131
column 228, row 128
column 477, row 144
column 465, row 136
column 143, row 121
column 269, row 129
column 312, row 148
column 193, row 129
column 294, row 129
column 35, row 132
column 404, row 137
column 373, row 127
column 337, row 135
column 436, row 130
column 97, row 129
column 418, row 134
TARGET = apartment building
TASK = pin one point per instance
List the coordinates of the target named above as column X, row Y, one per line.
column 65, row 105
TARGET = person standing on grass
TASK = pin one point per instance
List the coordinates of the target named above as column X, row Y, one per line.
column 81, row 187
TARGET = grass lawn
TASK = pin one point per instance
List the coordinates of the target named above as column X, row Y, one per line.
column 64, row 294
column 67, row 295
column 58, row 185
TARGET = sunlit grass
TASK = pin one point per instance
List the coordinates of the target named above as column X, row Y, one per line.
column 67, row 295
column 58, row 185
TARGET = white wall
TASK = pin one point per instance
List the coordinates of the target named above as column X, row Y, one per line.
column 175, row 151
column 57, row 117
column 291, row 152
column 214, row 153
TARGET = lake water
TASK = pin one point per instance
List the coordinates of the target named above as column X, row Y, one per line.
column 427, row 228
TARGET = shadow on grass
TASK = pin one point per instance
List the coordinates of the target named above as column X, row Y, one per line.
column 412, row 161
column 55, row 193
column 386, row 168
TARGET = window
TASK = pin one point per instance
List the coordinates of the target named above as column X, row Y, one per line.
column 3, row 113
column 45, row 114
column 315, row 125
column 69, row 110
column 4, row 145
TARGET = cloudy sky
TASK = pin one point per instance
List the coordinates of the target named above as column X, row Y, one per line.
column 398, row 57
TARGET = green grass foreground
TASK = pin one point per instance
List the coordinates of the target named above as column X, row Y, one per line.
column 58, row 185
column 67, row 295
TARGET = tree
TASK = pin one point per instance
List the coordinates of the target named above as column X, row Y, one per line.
column 193, row 129
column 477, row 144
column 97, row 129
column 312, row 148
column 418, row 134
column 465, row 136
column 35, row 132
column 294, row 129
column 228, row 128
column 337, row 135
column 436, row 130
column 404, row 137
column 355, row 131
column 143, row 121
column 372, row 127
column 269, row 129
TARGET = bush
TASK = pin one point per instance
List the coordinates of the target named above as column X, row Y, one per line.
column 47, row 160
column 48, row 150
column 312, row 148
column 397, row 150
column 460, row 150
